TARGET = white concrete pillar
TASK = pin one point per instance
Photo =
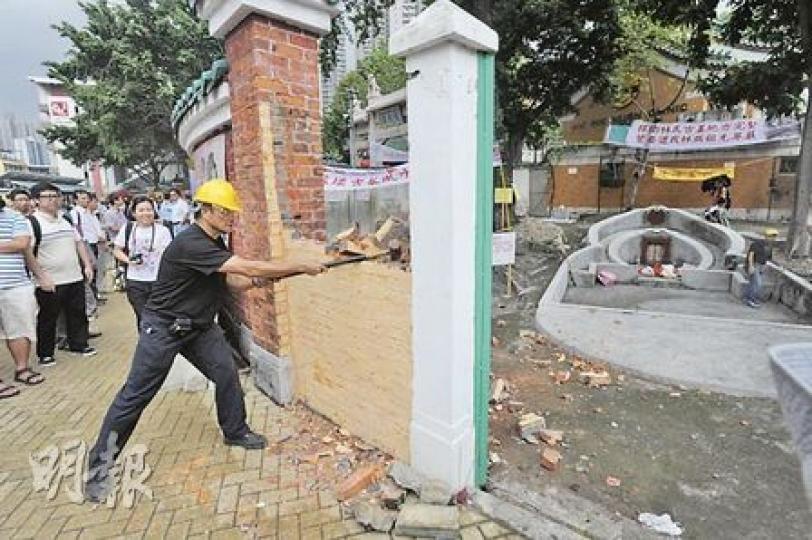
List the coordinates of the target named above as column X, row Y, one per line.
column 441, row 49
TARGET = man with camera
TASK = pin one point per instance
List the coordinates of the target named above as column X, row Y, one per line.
column 195, row 275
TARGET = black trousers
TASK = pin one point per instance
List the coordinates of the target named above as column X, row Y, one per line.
column 206, row 349
column 68, row 299
column 94, row 249
column 138, row 293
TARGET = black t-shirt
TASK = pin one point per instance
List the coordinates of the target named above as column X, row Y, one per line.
column 188, row 284
column 761, row 253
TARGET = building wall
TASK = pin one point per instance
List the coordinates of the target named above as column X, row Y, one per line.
column 351, row 347
column 592, row 117
column 575, row 186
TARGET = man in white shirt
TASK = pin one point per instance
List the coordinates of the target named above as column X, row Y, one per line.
column 58, row 248
column 177, row 209
column 18, row 305
column 114, row 218
column 90, row 231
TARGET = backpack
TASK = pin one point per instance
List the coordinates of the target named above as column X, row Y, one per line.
column 37, row 229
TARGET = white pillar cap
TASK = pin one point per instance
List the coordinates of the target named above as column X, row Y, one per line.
column 311, row 15
column 443, row 21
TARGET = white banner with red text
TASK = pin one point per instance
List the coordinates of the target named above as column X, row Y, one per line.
column 337, row 179
column 682, row 136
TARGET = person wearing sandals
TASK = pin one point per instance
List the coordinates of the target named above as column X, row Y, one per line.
column 139, row 247
column 18, row 305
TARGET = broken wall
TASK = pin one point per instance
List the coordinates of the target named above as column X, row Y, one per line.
column 351, row 347
column 346, row 335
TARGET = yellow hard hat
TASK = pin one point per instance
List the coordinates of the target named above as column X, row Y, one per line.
column 770, row 233
column 220, row 192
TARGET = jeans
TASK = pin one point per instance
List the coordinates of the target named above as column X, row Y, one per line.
column 753, row 291
column 205, row 348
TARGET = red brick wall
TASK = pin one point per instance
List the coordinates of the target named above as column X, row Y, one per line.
column 274, row 72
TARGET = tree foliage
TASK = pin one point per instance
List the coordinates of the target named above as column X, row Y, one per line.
column 640, row 38
column 549, row 49
column 125, row 69
column 775, row 84
column 389, row 73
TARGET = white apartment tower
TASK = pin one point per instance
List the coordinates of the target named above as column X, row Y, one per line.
column 348, row 54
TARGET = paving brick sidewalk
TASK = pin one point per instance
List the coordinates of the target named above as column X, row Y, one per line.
column 201, row 487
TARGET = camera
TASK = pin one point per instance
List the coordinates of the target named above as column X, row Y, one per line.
column 138, row 258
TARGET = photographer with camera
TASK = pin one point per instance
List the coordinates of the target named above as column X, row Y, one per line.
column 139, row 246
column 194, row 278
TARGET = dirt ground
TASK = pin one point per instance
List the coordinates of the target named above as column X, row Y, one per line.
column 722, row 466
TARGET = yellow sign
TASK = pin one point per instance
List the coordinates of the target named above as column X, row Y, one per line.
column 503, row 196
column 674, row 174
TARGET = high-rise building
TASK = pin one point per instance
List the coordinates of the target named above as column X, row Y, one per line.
column 349, row 53
column 346, row 61
column 403, row 12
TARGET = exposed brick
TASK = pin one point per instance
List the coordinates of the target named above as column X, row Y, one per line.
column 358, row 481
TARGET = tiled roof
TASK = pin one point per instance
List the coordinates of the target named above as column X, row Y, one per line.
column 199, row 89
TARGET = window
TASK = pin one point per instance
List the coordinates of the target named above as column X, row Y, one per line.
column 788, row 165
column 611, row 175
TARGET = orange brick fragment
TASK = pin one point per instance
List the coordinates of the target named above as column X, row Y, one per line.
column 358, row 481
column 550, row 458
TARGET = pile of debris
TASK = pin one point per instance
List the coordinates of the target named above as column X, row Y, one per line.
column 333, row 451
column 538, row 234
column 401, row 500
column 531, row 426
column 390, row 243
column 566, row 368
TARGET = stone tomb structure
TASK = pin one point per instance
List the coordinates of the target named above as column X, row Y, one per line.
column 674, row 310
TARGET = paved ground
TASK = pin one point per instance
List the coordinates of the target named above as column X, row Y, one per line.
column 727, row 355
column 201, row 488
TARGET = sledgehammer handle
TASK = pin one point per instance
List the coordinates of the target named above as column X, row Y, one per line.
column 338, row 262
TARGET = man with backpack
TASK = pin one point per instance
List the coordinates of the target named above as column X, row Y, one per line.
column 58, row 249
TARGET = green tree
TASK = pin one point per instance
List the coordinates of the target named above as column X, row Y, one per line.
column 549, row 49
column 125, row 69
column 776, row 84
column 389, row 73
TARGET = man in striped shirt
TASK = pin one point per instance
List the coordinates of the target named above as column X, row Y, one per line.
column 18, row 306
column 59, row 251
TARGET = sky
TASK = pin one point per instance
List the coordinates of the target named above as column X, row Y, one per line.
column 26, row 40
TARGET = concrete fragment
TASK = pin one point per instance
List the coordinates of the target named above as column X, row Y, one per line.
column 435, row 492
column 499, row 391
column 550, row 436
column 406, row 477
column 374, row 517
column 358, row 481
column 426, row 520
column 529, row 425
column 391, row 495
column 596, row 379
column 662, row 524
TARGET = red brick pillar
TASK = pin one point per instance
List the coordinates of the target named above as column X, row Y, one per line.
column 273, row 56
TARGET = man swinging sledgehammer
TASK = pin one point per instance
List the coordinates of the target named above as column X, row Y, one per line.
column 195, row 272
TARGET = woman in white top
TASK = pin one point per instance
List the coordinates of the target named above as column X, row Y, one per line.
column 140, row 246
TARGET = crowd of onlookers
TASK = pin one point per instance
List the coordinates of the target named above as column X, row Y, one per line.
column 58, row 252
